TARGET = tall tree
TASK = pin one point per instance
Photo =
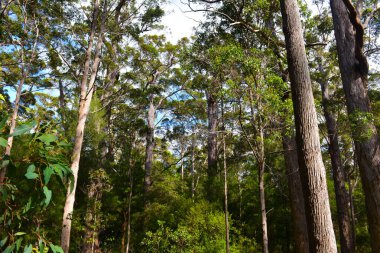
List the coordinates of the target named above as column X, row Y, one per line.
column 87, row 86
column 312, row 171
column 349, row 34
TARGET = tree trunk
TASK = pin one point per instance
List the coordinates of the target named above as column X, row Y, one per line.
column 149, row 146
column 261, row 163
column 297, row 204
column 312, row 171
column 193, row 167
column 84, row 107
column 341, row 195
column 12, row 127
column 212, row 153
column 354, row 72
column 227, row 226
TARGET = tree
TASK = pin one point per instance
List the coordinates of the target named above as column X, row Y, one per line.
column 313, row 175
column 349, row 34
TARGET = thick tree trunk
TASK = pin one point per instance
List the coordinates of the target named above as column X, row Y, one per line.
column 354, row 71
column 149, row 146
column 312, row 171
column 297, row 204
column 212, row 153
column 84, row 107
column 341, row 195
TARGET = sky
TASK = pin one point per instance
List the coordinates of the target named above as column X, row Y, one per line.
column 179, row 23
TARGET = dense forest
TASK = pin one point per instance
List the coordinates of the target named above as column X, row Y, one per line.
column 257, row 134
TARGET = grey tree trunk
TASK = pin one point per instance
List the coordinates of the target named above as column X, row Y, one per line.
column 149, row 146
column 353, row 66
column 297, row 204
column 346, row 234
column 312, row 171
column 212, row 154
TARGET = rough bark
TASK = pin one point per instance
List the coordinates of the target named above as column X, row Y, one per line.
column 212, row 154
column 297, row 204
column 354, row 71
column 346, row 234
column 312, row 171
column 149, row 146
column 87, row 89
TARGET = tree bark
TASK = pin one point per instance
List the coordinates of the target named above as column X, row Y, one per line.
column 12, row 127
column 212, row 152
column 353, row 66
column 342, row 197
column 297, row 204
column 87, row 89
column 149, row 146
column 312, row 171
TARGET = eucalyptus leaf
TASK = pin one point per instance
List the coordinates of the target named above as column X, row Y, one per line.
column 48, row 194
column 24, row 128
column 3, row 142
column 28, row 249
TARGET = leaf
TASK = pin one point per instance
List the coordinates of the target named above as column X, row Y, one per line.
column 28, row 249
column 24, row 128
column 3, row 241
column 58, row 170
column 9, row 249
column 3, row 122
column 47, row 138
column 20, row 233
column 18, row 244
column 30, row 174
column 48, row 171
column 52, row 246
column 3, row 142
column 48, row 194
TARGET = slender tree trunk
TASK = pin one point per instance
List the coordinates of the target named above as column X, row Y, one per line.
column 227, row 226
column 182, row 162
column 353, row 65
column 149, row 146
column 212, row 152
column 297, row 204
column 341, row 195
column 91, row 242
column 312, row 171
column 261, row 163
column 12, row 127
column 24, row 74
column 193, row 168
column 84, row 107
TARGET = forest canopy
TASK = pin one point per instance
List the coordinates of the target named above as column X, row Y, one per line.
column 259, row 133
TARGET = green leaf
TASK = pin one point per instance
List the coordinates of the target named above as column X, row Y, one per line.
column 27, row 206
column 3, row 241
column 3, row 122
column 48, row 171
column 24, row 128
column 20, row 233
column 52, row 246
column 47, row 138
column 18, row 244
column 30, row 174
column 9, row 249
column 48, row 194
column 28, row 249
column 3, row 142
